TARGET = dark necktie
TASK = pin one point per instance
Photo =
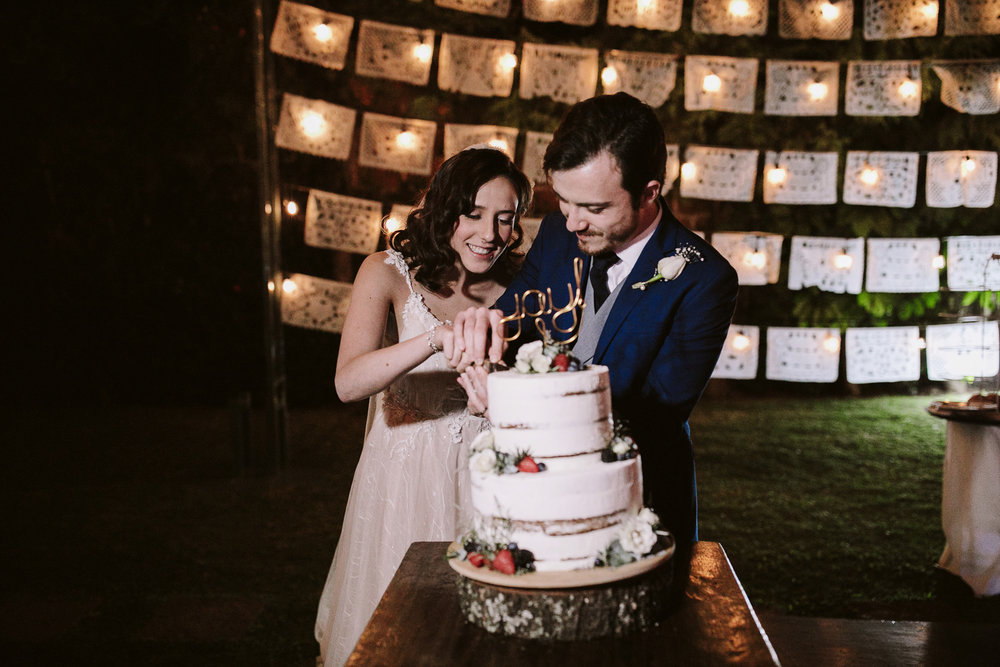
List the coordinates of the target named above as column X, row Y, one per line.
column 599, row 277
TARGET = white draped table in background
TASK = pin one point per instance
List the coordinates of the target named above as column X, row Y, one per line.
column 970, row 505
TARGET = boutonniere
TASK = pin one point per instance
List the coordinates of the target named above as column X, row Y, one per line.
column 671, row 266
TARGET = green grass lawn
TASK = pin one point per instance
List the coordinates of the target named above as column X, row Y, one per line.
column 826, row 507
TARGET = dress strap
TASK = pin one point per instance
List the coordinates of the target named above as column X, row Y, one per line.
column 395, row 258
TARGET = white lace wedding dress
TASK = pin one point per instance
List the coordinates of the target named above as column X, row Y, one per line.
column 410, row 485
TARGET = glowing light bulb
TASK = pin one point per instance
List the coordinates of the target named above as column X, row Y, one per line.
column 322, row 32
column 938, row 262
column 930, row 10
column 776, row 175
column 711, row 83
column 312, row 123
column 755, row 259
column 869, row 176
column 829, row 11
column 508, row 61
column 968, row 166
column 609, row 75
column 908, row 89
column 270, row 285
column 292, row 207
column 391, row 224
column 288, row 286
column 741, row 342
column 499, row 143
column 843, row 261
column 688, row 171
column 406, row 140
column 817, row 90
column 831, row 344
column 645, row 5
column 423, row 52
column 921, row 343
column 739, row 8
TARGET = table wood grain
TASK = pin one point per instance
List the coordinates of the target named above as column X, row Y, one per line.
column 418, row 622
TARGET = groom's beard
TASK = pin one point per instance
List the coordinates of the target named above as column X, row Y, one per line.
column 597, row 242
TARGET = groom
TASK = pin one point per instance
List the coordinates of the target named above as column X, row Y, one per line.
column 606, row 166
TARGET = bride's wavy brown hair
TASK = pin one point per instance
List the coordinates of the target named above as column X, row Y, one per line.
column 425, row 242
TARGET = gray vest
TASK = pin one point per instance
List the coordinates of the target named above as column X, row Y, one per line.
column 592, row 324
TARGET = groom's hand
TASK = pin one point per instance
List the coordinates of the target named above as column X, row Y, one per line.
column 478, row 335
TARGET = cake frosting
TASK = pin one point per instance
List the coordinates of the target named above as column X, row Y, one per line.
column 569, row 504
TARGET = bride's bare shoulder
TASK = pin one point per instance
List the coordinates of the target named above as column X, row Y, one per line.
column 380, row 272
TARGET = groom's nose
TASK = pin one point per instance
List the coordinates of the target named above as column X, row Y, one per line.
column 574, row 221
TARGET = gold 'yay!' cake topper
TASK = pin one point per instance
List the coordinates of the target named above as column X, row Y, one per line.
column 546, row 306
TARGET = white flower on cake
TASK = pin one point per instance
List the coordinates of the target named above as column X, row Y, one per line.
column 484, row 460
column 671, row 267
column 483, row 441
column 637, row 535
column 621, row 445
column 649, row 516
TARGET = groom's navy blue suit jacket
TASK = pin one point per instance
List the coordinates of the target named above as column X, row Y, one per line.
column 660, row 344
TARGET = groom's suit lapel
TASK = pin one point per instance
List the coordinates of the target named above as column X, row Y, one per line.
column 662, row 243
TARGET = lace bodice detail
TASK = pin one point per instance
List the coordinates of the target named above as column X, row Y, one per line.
column 430, row 389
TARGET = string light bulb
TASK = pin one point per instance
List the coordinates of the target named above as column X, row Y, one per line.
column 288, row 286
column 968, row 165
column 755, row 259
column 930, row 10
column 500, row 144
column 645, row 5
column 608, row 76
column 292, row 207
column 423, row 52
column 322, row 32
column 776, row 175
column 508, row 62
column 938, row 262
column 831, row 343
column 312, row 123
column 688, row 171
column 391, row 223
column 739, row 8
column 908, row 89
column 869, row 176
column 406, row 140
column 922, row 343
column 741, row 342
column 817, row 90
column 843, row 261
column 829, row 11
column 711, row 83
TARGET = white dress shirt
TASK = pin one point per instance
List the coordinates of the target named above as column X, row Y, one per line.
column 629, row 255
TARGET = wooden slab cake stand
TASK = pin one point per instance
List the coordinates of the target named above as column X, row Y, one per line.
column 578, row 604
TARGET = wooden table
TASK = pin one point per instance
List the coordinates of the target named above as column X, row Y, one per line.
column 418, row 622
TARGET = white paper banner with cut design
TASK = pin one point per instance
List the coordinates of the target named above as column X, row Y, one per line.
column 756, row 256
column 970, row 267
column 720, row 83
column 499, row 8
column 535, row 144
column 721, row 174
column 888, row 88
column 799, row 177
column 342, row 223
column 897, row 19
column 815, row 19
column 882, row 354
column 649, row 76
column 673, row 167
column 394, row 52
column 399, row 144
column 970, row 86
column 315, row 127
column 564, row 73
column 972, row 17
column 738, row 360
column 735, row 17
column 459, row 137
column 476, row 66
column 961, row 178
column 315, row 303
column 831, row 264
column 649, row 14
column 312, row 35
column 574, row 12
column 530, row 228
column 903, row 265
column 881, row 178
column 803, row 355
column 801, row 88
column 963, row 350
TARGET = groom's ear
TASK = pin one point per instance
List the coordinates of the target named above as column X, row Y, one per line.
column 650, row 193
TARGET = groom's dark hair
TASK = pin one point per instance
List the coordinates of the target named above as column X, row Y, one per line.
column 620, row 124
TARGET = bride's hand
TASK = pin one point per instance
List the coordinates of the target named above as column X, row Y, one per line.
column 473, row 380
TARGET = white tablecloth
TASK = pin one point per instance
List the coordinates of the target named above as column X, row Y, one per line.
column 970, row 505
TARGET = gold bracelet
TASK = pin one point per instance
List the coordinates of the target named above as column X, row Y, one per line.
column 430, row 340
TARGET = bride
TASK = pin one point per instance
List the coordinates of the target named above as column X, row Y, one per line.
column 455, row 253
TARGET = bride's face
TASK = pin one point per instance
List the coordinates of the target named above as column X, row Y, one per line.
column 480, row 236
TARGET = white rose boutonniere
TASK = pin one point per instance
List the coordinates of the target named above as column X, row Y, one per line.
column 671, row 266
